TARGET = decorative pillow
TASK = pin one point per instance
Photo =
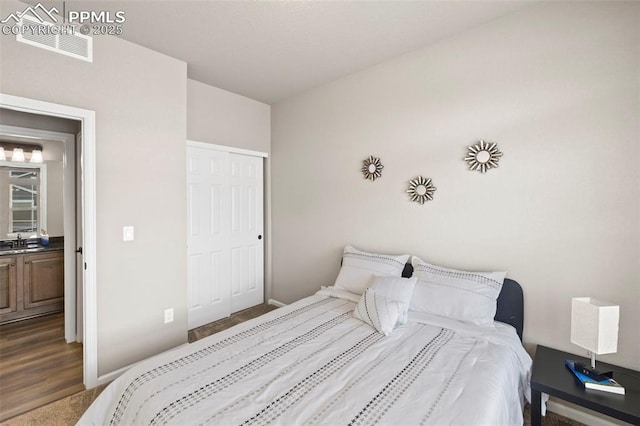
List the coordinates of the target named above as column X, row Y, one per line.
column 398, row 289
column 465, row 296
column 377, row 311
column 359, row 267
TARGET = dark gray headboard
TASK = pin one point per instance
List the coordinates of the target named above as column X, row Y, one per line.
column 511, row 305
column 510, row 302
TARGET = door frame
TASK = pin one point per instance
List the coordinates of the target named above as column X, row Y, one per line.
column 88, row 197
column 234, row 150
column 69, row 225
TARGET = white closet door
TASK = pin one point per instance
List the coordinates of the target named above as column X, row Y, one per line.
column 225, row 233
column 247, row 244
column 208, row 240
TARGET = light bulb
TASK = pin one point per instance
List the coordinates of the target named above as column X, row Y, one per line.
column 36, row 156
column 18, row 155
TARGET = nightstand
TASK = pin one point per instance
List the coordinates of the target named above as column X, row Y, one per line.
column 549, row 375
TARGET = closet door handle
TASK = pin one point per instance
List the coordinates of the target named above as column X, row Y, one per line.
column 259, row 237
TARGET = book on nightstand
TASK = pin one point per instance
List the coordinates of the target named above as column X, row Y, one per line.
column 601, row 383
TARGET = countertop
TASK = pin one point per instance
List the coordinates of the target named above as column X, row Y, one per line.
column 30, row 249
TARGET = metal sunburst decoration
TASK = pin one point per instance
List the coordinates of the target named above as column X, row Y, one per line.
column 372, row 168
column 421, row 190
column 483, row 156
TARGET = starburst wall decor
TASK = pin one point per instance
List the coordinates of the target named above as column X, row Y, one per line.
column 483, row 156
column 372, row 168
column 421, row 190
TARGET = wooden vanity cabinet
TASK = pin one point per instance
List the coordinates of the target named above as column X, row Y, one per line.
column 31, row 285
column 43, row 279
column 8, row 285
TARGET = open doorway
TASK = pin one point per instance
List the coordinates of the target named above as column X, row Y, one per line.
column 86, row 330
column 53, row 212
column 39, row 309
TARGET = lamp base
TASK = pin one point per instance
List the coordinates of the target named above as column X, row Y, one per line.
column 604, row 375
column 592, row 372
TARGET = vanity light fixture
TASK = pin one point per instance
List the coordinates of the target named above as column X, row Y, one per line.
column 20, row 153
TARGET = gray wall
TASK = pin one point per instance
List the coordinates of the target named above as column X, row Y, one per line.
column 36, row 121
column 53, row 154
column 224, row 118
column 556, row 85
column 140, row 100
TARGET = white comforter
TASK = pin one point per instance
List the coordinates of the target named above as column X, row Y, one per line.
column 312, row 362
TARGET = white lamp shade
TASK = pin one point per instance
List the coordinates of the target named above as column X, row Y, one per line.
column 594, row 325
column 17, row 155
column 36, row 156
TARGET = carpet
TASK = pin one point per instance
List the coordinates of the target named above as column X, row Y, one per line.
column 65, row 411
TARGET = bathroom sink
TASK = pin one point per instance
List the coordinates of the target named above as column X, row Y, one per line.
column 8, row 251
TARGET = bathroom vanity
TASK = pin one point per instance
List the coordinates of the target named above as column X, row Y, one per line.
column 31, row 282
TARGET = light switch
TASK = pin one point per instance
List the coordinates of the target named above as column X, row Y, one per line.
column 127, row 233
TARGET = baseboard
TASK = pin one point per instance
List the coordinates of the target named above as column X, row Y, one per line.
column 109, row 377
column 581, row 414
column 276, row 303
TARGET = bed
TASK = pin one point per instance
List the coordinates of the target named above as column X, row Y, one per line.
column 315, row 362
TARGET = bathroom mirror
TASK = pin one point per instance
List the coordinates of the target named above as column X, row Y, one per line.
column 22, row 201
column 32, row 193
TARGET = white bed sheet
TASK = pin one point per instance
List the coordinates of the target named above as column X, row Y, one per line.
column 312, row 362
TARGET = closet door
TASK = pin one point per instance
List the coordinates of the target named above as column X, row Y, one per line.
column 247, row 244
column 225, row 233
column 208, row 238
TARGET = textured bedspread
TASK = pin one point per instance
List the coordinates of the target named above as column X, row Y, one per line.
column 312, row 362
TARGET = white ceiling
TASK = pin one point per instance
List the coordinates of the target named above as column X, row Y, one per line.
column 270, row 50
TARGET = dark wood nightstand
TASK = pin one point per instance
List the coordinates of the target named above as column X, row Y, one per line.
column 549, row 375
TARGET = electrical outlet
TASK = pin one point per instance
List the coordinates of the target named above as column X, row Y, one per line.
column 168, row 315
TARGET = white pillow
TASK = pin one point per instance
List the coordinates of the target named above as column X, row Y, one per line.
column 377, row 311
column 359, row 267
column 398, row 289
column 461, row 295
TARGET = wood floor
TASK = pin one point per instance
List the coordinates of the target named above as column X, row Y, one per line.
column 37, row 366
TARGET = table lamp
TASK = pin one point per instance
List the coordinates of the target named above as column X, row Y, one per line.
column 594, row 326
